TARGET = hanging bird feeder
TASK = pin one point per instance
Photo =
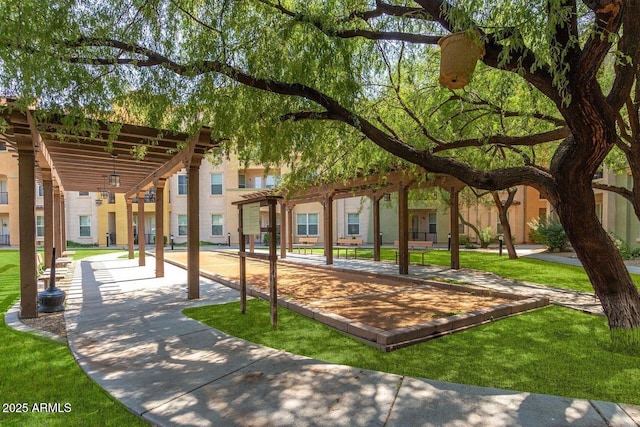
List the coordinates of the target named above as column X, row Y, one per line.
column 459, row 53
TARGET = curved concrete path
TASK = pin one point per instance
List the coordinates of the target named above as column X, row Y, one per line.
column 127, row 331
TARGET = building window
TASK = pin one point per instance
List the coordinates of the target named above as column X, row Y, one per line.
column 433, row 223
column 242, row 181
column 182, row 185
column 85, row 226
column 3, row 146
column 39, row 226
column 271, row 181
column 40, row 190
column 307, row 224
column 182, row 225
column 4, row 195
column 216, row 225
column 216, row 183
column 83, row 193
column 353, row 224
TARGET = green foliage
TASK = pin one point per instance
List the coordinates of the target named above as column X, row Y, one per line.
column 485, row 237
column 538, row 352
column 550, row 232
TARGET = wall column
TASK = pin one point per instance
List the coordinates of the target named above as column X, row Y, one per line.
column 160, row 227
column 403, row 229
column 193, row 227
column 377, row 241
column 283, row 230
column 27, row 221
column 453, row 226
column 290, row 227
column 130, row 236
column 141, row 230
column 47, row 185
column 63, row 226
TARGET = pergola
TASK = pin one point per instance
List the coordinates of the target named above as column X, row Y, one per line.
column 374, row 186
column 69, row 154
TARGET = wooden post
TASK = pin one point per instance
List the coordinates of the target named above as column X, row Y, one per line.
column 57, row 220
column 377, row 241
column 160, row 227
column 273, row 265
column 453, row 226
column 27, row 215
column 63, row 226
column 283, row 230
column 141, row 231
column 290, row 227
column 243, row 264
column 403, row 229
column 47, row 185
column 130, row 235
column 193, row 227
column 328, row 228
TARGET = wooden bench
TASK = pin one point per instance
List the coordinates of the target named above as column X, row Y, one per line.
column 63, row 262
column 346, row 244
column 305, row 243
column 68, row 253
column 45, row 276
column 419, row 246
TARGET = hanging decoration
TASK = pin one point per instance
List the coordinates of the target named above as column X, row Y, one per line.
column 459, row 53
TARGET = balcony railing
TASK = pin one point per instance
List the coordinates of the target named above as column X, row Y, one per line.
column 4, row 240
column 4, row 198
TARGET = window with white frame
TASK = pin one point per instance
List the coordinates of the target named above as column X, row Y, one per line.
column 353, row 224
column 182, row 225
column 307, row 224
column 216, row 183
column 271, row 181
column 83, row 193
column 85, row 226
column 39, row 226
column 40, row 190
column 182, row 185
column 217, row 228
column 433, row 223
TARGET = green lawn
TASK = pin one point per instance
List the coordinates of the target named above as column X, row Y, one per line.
column 525, row 269
column 36, row 371
column 553, row 351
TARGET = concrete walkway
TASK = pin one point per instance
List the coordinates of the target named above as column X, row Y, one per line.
column 127, row 331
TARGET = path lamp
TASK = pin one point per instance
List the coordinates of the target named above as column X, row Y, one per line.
column 107, row 234
column 229, row 239
column 500, row 240
column 172, row 242
column 449, row 242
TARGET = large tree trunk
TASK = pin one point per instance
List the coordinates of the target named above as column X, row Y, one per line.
column 601, row 260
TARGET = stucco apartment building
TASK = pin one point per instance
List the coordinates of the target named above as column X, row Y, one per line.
column 91, row 220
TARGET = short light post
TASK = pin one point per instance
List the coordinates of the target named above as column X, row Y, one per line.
column 229, row 239
column 107, row 235
column 449, row 242
column 500, row 240
column 171, row 241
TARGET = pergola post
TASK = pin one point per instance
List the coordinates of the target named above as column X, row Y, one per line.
column 63, row 226
column 27, row 215
column 57, row 220
column 130, row 235
column 283, row 230
column 160, row 227
column 377, row 238
column 453, row 226
column 141, row 231
column 242, row 247
column 47, row 185
column 290, row 227
column 403, row 229
column 328, row 228
column 273, row 264
column 193, row 227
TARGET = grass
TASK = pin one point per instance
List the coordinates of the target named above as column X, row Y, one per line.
column 552, row 351
column 36, row 370
column 523, row 269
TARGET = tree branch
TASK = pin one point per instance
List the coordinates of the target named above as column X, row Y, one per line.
column 505, row 140
column 621, row 191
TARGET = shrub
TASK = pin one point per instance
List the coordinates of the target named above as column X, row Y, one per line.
column 621, row 245
column 485, row 237
column 550, row 233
